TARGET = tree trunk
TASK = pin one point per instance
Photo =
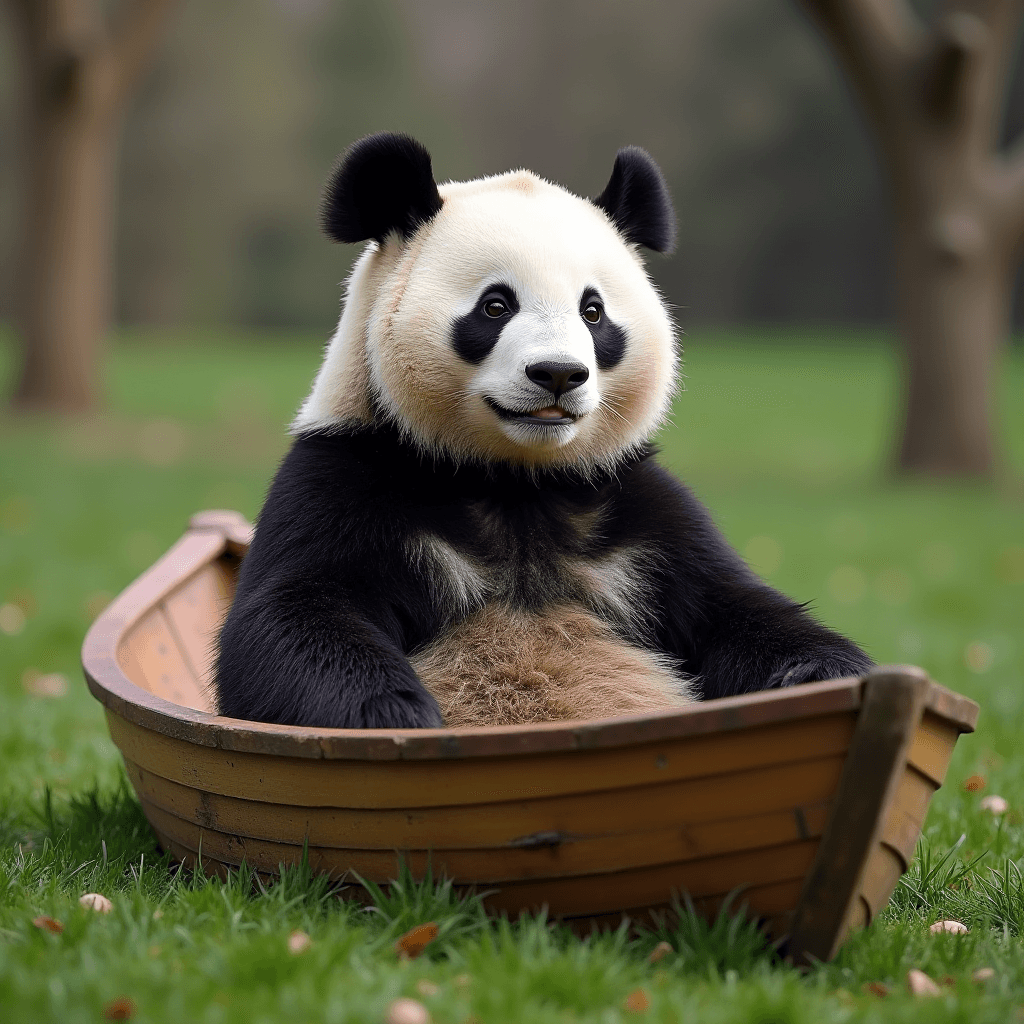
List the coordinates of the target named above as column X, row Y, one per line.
column 953, row 318
column 77, row 77
column 67, row 249
column 933, row 94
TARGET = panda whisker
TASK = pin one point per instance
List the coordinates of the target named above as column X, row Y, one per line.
column 607, row 404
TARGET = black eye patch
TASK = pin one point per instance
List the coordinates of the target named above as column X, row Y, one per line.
column 476, row 333
column 609, row 337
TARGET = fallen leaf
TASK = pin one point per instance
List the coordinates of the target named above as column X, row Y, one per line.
column 983, row 974
column 952, row 927
column 96, row 901
column 406, row 1011
column 974, row 783
column 994, row 805
column 921, row 985
column 37, row 684
column 157, row 914
column 121, row 1008
column 876, row 988
column 415, row 940
column 637, row 1001
column 462, row 981
column 660, row 951
column 48, row 924
column 12, row 619
column 426, row 987
column 298, row 942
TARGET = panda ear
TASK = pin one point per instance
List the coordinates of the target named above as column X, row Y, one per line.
column 382, row 183
column 637, row 200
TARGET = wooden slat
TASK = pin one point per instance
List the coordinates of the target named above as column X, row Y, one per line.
column 907, row 814
column 775, row 900
column 858, row 916
column 600, row 894
column 503, row 864
column 771, row 900
column 151, row 658
column 932, row 747
column 571, row 896
column 881, row 874
column 892, row 709
column 687, row 806
column 429, row 783
column 195, row 611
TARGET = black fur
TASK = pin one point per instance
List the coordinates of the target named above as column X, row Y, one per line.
column 637, row 200
column 329, row 604
column 476, row 333
column 609, row 337
column 382, row 183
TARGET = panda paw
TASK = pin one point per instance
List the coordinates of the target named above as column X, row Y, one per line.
column 819, row 670
column 397, row 709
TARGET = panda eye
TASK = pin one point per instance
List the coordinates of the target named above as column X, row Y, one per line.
column 495, row 308
column 592, row 313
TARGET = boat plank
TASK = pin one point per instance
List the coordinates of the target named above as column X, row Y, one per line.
column 195, row 611
column 907, row 814
column 893, row 706
column 932, row 747
column 881, row 874
column 487, row 866
column 152, row 658
column 798, row 792
column 383, row 784
column 596, row 894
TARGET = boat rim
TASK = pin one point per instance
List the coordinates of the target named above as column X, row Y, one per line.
column 211, row 535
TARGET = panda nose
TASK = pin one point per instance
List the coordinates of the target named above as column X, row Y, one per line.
column 558, row 377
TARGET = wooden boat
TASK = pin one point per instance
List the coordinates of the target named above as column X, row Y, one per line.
column 809, row 799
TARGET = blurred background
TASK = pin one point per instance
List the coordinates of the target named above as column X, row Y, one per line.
column 224, row 293
column 232, row 129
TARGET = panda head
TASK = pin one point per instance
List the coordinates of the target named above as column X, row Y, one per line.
column 497, row 320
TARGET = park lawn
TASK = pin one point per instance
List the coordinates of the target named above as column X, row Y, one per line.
column 785, row 437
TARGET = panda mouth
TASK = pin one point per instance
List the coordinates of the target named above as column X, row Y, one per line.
column 549, row 416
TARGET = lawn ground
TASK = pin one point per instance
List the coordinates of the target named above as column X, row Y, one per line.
column 785, row 438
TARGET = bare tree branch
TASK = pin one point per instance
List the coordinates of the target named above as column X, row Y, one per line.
column 960, row 39
column 878, row 42
column 132, row 42
column 964, row 73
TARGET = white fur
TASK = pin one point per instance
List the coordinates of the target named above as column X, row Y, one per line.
column 619, row 585
column 456, row 584
column 393, row 343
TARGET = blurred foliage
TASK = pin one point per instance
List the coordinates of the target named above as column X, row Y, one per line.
column 230, row 137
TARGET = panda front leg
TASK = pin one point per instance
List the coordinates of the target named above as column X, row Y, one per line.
column 754, row 638
column 310, row 655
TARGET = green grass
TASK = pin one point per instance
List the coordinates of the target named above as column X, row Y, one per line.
column 785, row 439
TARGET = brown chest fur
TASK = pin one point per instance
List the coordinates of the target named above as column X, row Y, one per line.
column 500, row 666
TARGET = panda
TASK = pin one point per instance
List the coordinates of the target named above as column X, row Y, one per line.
column 470, row 527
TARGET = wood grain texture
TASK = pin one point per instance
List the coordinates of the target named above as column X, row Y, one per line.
column 488, row 780
column 194, row 612
column 699, row 816
column 877, row 812
column 490, row 866
column 153, row 659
